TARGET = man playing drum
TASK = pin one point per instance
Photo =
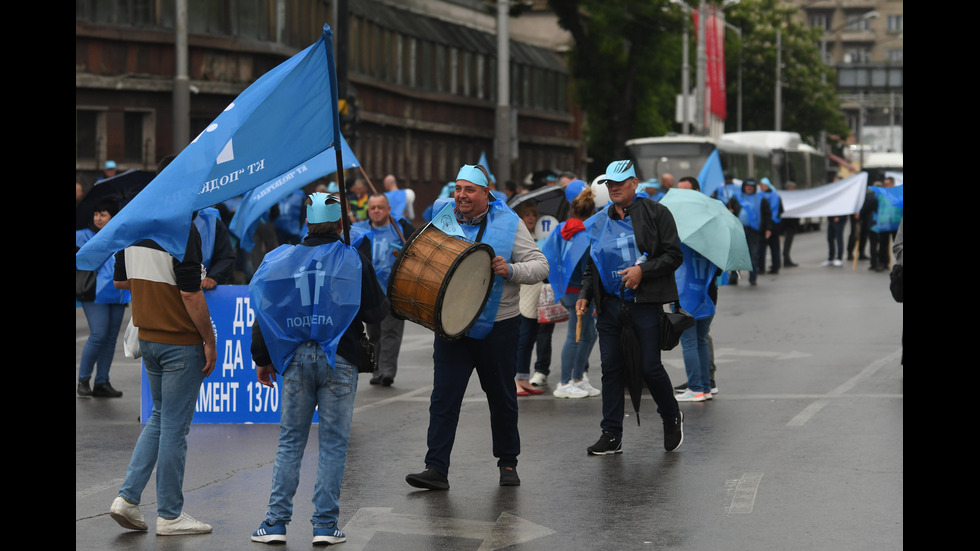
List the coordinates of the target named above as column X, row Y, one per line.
column 488, row 346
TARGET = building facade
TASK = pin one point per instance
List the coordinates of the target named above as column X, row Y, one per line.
column 420, row 77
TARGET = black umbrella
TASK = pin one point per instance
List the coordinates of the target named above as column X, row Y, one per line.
column 551, row 200
column 632, row 356
column 121, row 188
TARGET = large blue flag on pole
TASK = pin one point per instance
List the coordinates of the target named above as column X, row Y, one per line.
column 711, row 177
column 285, row 118
column 258, row 201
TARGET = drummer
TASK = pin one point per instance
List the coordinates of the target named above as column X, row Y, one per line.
column 488, row 346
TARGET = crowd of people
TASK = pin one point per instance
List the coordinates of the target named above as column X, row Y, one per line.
column 612, row 265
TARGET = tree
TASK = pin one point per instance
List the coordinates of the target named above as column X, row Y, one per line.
column 809, row 100
column 625, row 67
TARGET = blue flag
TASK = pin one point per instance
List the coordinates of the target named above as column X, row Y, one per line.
column 486, row 165
column 711, row 177
column 257, row 202
column 287, row 117
column 446, row 221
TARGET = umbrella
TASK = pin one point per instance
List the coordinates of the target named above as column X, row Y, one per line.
column 121, row 188
column 632, row 357
column 707, row 226
column 551, row 201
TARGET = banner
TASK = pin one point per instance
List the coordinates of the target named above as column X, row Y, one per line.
column 839, row 198
column 231, row 394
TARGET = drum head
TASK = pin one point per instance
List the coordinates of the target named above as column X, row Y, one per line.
column 465, row 292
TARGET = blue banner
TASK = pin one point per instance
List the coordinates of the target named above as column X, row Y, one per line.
column 711, row 176
column 231, row 394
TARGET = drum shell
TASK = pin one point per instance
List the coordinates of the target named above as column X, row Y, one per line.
column 424, row 270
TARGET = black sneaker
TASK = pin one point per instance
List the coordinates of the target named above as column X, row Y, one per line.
column 387, row 380
column 674, row 432
column 376, row 380
column 508, row 476
column 84, row 390
column 607, row 445
column 429, row 479
column 105, row 390
column 680, row 388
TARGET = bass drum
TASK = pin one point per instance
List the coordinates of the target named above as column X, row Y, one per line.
column 441, row 282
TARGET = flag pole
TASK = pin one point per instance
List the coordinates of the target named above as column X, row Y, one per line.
column 332, row 71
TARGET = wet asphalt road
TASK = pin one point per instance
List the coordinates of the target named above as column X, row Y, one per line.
column 801, row 449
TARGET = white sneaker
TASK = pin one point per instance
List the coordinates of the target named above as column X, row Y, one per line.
column 589, row 389
column 838, row 262
column 569, row 391
column 184, row 524
column 539, row 379
column 690, row 396
column 126, row 514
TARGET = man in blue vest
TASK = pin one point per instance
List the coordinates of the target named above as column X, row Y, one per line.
column 402, row 201
column 489, row 346
column 310, row 302
column 756, row 217
column 772, row 242
column 216, row 249
column 387, row 235
column 634, row 253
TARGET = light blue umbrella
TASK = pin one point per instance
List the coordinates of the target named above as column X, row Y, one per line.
column 707, row 226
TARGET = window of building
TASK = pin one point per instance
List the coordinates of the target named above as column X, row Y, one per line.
column 819, row 20
column 89, row 137
column 857, row 22
column 857, row 54
column 895, row 23
column 894, row 56
column 138, row 132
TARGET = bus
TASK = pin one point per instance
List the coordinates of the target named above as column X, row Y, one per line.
column 780, row 156
column 876, row 164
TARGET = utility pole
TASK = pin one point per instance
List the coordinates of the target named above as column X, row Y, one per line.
column 779, row 82
column 182, row 88
column 503, row 123
column 702, row 112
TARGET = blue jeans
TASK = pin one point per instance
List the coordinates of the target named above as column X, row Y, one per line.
column 454, row 363
column 646, row 325
column 575, row 355
column 697, row 357
column 104, row 321
column 309, row 384
column 175, row 375
column 835, row 236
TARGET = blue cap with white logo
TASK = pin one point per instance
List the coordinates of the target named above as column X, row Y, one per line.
column 618, row 171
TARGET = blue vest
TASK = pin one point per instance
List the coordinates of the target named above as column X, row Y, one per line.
column 206, row 221
column 105, row 291
column 500, row 233
column 303, row 294
column 564, row 258
column 774, row 200
column 397, row 201
column 890, row 208
column 613, row 250
column 384, row 241
column 751, row 213
column 693, row 278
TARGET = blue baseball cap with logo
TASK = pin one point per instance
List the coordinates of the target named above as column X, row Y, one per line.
column 618, row 171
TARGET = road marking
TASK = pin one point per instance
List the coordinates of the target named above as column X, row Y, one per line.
column 812, row 409
column 507, row 531
column 745, row 492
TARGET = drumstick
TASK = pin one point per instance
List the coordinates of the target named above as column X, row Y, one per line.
column 578, row 326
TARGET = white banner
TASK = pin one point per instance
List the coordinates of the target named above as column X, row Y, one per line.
column 839, row 198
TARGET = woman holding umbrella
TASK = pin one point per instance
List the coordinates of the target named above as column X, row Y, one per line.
column 104, row 307
column 634, row 253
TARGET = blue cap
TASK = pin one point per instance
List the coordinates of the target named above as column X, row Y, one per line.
column 321, row 211
column 472, row 174
column 332, row 187
column 110, row 164
column 618, row 171
column 573, row 189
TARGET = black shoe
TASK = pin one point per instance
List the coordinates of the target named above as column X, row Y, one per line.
column 864, row 257
column 674, row 432
column 429, row 479
column 680, row 388
column 773, row 272
column 387, row 380
column 789, row 264
column 752, row 282
column 105, row 390
column 376, row 380
column 607, row 445
column 84, row 390
column 508, row 476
